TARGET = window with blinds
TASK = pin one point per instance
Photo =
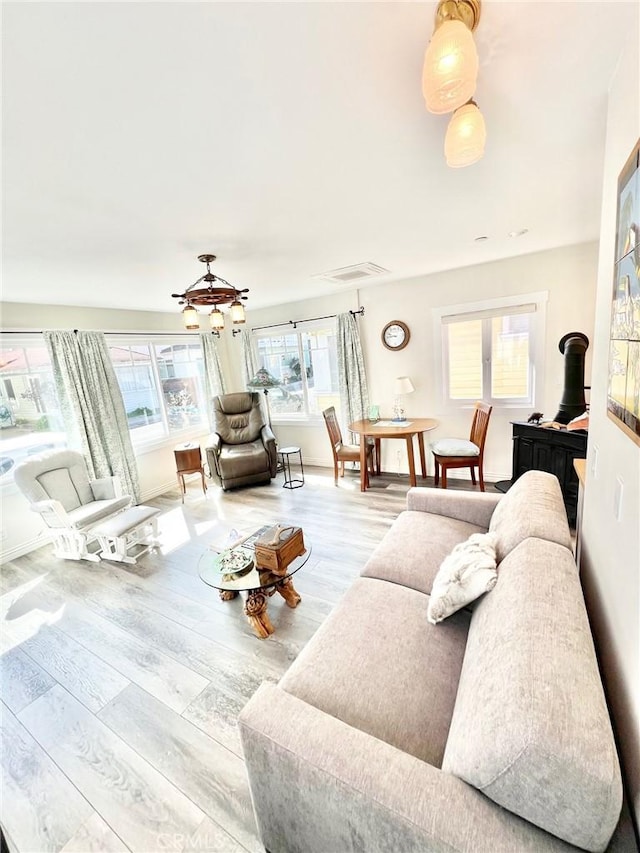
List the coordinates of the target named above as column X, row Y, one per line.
column 489, row 355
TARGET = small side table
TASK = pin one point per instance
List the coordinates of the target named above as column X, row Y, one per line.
column 188, row 461
column 291, row 482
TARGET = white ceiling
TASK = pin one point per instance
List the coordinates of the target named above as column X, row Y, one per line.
column 288, row 139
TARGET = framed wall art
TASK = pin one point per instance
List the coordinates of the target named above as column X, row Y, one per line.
column 623, row 397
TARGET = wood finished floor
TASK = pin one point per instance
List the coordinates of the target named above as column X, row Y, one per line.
column 121, row 685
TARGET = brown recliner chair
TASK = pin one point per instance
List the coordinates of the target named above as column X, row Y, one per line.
column 242, row 450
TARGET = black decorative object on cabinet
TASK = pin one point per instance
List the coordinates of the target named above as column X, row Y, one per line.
column 546, row 449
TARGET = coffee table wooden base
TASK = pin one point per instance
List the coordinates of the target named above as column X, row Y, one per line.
column 227, row 594
column 255, row 606
column 255, row 609
column 289, row 593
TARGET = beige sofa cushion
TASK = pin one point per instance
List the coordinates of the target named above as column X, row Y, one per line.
column 533, row 506
column 415, row 546
column 377, row 665
column 530, row 727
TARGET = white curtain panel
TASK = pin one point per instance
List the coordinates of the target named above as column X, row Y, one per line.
column 249, row 362
column 352, row 376
column 213, row 378
column 92, row 405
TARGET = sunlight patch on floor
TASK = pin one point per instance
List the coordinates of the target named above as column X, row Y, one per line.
column 22, row 614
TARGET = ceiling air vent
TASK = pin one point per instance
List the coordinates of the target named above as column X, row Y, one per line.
column 348, row 275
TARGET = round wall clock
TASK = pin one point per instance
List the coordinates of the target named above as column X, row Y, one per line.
column 395, row 335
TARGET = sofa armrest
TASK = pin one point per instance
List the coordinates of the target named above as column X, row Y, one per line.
column 106, row 488
column 474, row 507
column 318, row 784
column 269, row 441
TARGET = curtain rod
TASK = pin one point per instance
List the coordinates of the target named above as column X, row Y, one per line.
column 294, row 323
column 119, row 334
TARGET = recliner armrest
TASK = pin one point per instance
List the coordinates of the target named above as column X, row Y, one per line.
column 214, row 443
column 212, row 448
column 474, row 507
column 269, row 441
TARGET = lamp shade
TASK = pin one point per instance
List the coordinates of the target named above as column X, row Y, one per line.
column 466, row 136
column 450, row 68
column 190, row 317
column 263, row 379
column 403, row 385
column 216, row 319
column 236, row 309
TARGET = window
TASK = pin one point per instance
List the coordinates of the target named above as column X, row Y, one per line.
column 162, row 386
column 492, row 353
column 30, row 420
column 305, row 361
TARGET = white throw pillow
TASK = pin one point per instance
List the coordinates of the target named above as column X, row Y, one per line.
column 464, row 575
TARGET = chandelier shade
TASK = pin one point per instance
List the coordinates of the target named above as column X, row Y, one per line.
column 216, row 319
column 450, row 70
column 211, row 290
column 236, row 309
column 190, row 318
column 466, row 136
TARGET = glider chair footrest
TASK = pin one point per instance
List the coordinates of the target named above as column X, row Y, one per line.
column 128, row 535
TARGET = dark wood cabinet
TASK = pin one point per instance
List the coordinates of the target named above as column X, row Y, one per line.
column 552, row 450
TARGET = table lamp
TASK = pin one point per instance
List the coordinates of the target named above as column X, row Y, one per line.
column 403, row 385
column 263, row 379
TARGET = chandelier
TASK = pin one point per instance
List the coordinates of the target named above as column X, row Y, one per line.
column 449, row 79
column 214, row 291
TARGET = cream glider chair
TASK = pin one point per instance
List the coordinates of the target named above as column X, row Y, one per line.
column 242, row 451
column 57, row 487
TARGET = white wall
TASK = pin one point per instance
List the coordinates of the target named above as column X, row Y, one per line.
column 569, row 276
column 611, row 548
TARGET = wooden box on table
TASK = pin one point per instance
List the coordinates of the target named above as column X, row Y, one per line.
column 279, row 547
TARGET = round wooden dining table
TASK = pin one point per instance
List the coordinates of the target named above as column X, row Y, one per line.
column 390, row 429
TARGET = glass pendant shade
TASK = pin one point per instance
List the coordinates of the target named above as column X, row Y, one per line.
column 450, row 68
column 466, row 137
column 190, row 318
column 216, row 319
column 237, row 312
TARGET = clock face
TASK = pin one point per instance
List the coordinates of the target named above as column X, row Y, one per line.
column 395, row 335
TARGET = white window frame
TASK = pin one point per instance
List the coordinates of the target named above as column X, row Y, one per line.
column 27, row 340
column 485, row 310
column 152, row 439
column 305, row 417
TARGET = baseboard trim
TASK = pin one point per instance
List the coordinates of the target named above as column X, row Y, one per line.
column 24, row 548
column 149, row 494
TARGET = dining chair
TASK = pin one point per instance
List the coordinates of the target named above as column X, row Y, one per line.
column 344, row 452
column 460, row 453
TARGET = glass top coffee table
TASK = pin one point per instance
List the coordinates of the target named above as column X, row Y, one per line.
column 234, row 572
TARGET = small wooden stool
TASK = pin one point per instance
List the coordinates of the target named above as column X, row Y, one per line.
column 188, row 461
column 127, row 535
